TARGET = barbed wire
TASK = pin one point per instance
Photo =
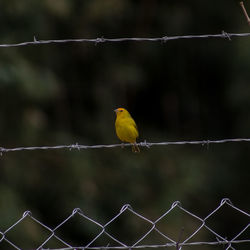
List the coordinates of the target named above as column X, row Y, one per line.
column 122, row 145
column 163, row 39
column 217, row 239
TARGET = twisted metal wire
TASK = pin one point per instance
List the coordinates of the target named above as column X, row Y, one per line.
column 141, row 144
column 164, row 39
column 218, row 238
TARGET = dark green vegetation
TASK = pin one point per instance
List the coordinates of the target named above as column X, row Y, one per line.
column 66, row 93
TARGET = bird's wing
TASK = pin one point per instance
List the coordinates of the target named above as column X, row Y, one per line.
column 135, row 126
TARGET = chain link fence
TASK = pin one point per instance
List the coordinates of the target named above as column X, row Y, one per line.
column 141, row 232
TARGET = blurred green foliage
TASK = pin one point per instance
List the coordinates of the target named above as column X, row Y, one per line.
column 66, row 93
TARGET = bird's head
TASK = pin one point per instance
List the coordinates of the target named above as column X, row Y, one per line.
column 121, row 112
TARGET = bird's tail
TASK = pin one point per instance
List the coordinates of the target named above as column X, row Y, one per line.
column 135, row 148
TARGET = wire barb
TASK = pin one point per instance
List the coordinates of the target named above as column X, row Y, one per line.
column 226, row 35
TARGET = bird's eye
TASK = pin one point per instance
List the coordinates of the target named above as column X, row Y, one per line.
column 121, row 110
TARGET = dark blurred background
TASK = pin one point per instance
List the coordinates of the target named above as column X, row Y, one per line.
column 61, row 94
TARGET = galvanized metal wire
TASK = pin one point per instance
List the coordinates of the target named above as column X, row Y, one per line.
column 218, row 240
column 163, row 39
column 121, row 145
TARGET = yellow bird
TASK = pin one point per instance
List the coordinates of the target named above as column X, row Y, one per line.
column 126, row 129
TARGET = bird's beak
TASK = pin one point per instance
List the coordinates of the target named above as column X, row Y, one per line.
column 115, row 110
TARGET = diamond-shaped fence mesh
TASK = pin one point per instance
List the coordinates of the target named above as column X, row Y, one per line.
column 177, row 228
